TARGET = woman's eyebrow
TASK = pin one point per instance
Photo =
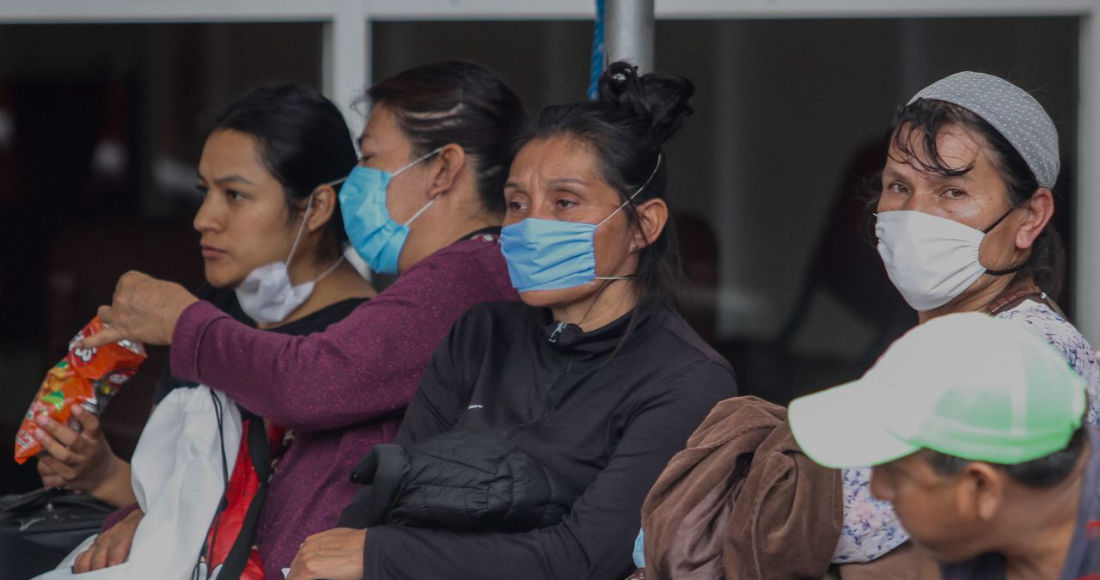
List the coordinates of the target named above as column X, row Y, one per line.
column 554, row 181
column 891, row 173
column 234, row 178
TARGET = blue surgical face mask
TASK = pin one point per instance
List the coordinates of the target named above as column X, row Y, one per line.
column 546, row 254
column 372, row 232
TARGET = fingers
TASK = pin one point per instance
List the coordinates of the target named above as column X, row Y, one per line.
column 105, row 336
column 60, row 474
column 297, row 569
column 336, row 554
column 80, row 565
column 118, row 550
column 99, row 555
column 52, row 446
column 88, row 421
column 61, row 432
column 106, row 314
column 49, row 475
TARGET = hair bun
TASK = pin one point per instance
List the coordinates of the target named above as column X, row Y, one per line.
column 659, row 102
column 616, row 81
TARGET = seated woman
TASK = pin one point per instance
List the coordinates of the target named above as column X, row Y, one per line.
column 964, row 225
column 272, row 244
column 594, row 375
column 423, row 203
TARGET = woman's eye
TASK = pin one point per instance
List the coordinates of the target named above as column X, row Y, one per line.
column 565, row 203
column 954, row 193
column 897, row 187
column 234, row 194
column 202, row 189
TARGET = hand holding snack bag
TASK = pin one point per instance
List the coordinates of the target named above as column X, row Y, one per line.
column 86, row 376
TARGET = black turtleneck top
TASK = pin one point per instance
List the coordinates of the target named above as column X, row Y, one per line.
column 605, row 410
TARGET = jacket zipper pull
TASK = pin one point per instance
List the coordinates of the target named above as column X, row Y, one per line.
column 557, row 332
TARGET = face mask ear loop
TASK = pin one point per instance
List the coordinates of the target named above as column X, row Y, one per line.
column 636, row 192
column 621, row 206
column 419, row 211
column 301, row 230
column 402, row 169
column 999, row 220
column 330, row 270
column 1006, row 271
column 414, row 162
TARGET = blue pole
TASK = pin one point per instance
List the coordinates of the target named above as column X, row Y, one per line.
column 597, row 52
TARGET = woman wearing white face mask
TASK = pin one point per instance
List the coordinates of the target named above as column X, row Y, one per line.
column 964, row 224
column 424, row 202
column 271, row 239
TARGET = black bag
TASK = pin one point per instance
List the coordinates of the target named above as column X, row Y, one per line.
column 39, row 528
column 459, row 480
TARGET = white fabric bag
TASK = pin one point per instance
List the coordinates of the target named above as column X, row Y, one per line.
column 179, row 479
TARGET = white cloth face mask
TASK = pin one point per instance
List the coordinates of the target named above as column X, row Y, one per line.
column 931, row 260
column 266, row 294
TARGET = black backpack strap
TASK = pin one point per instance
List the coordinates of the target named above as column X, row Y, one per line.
column 260, row 451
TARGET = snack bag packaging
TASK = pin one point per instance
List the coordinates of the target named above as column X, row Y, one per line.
column 87, row 377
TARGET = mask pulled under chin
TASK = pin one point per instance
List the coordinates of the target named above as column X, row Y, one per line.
column 931, row 260
column 267, row 296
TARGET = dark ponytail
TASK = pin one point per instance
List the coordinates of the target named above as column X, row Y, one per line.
column 627, row 127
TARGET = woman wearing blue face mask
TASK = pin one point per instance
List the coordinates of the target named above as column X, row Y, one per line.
column 593, row 377
column 424, row 202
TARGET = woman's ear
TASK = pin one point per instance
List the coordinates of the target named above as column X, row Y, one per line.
column 445, row 174
column 652, row 217
column 1040, row 208
column 323, row 204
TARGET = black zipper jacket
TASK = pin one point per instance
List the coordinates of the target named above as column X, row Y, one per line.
column 604, row 410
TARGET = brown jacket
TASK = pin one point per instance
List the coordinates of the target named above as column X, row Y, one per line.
column 742, row 501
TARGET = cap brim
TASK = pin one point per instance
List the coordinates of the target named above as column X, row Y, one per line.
column 845, row 426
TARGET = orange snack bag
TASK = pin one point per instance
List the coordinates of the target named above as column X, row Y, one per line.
column 86, row 376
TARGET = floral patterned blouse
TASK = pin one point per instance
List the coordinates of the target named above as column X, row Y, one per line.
column 870, row 527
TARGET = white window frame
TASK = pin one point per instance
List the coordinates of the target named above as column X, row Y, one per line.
column 345, row 66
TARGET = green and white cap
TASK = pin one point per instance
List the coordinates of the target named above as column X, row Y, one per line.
column 966, row 385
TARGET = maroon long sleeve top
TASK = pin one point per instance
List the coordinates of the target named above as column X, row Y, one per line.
column 342, row 390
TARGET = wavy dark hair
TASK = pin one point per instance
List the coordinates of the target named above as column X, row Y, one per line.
column 627, row 127
column 926, row 119
column 303, row 140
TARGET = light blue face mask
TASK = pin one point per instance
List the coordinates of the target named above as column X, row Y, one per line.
column 546, row 254
column 372, row 232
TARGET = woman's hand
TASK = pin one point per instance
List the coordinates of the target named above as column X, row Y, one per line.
column 112, row 547
column 335, row 554
column 82, row 460
column 143, row 309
